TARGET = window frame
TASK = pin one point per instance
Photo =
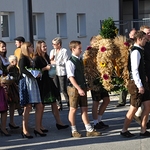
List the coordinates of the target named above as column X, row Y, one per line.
column 7, row 38
column 81, row 25
column 61, row 25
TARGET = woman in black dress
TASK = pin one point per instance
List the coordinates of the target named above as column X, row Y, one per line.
column 49, row 92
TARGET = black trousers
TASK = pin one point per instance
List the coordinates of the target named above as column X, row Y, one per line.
column 61, row 83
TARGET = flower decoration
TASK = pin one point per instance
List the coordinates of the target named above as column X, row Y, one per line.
column 103, row 49
column 102, row 64
column 106, row 77
column 88, row 48
column 106, row 60
column 126, row 44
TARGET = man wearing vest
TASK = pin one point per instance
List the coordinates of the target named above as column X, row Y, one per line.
column 137, row 86
column 77, row 91
column 145, row 29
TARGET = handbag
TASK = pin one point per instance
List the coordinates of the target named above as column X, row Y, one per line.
column 23, row 92
column 52, row 71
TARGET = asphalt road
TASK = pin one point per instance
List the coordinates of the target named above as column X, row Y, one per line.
column 62, row 140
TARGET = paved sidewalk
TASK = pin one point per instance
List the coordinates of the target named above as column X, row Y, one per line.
column 61, row 139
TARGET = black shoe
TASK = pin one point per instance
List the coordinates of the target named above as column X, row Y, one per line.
column 38, row 133
column 13, row 127
column 120, row 105
column 59, row 127
column 3, row 133
column 103, row 125
column 26, row 136
column 148, row 125
column 44, row 130
column 98, row 126
column 146, row 134
column 127, row 134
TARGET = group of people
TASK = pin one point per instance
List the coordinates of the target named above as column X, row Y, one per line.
column 29, row 74
column 139, row 82
column 31, row 84
column 25, row 82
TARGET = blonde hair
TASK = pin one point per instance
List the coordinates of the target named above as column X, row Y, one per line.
column 12, row 58
column 25, row 50
column 144, row 27
column 57, row 40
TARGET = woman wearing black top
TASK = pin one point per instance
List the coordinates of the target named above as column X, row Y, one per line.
column 49, row 92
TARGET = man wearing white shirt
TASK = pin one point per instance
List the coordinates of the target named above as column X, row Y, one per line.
column 59, row 56
column 145, row 29
column 137, row 86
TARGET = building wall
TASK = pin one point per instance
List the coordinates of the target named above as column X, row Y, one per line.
column 47, row 9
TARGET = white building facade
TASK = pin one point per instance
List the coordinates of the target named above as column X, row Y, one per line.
column 68, row 19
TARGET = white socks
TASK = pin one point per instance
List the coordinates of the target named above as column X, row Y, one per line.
column 98, row 120
column 73, row 129
column 89, row 128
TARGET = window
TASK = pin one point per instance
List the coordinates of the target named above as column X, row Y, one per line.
column 7, row 30
column 4, row 26
column 38, row 23
column 81, row 25
column 34, row 25
column 61, row 24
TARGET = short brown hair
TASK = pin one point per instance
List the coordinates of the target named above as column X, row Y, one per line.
column 139, row 34
column 74, row 44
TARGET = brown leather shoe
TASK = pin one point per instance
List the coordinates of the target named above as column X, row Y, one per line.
column 76, row 134
column 93, row 133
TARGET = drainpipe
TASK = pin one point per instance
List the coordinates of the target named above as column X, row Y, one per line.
column 136, row 13
column 121, row 17
column 30, row 21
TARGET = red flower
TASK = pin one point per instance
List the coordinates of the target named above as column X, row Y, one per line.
column 103, row 49
column 105, row 76
column 88, row 48
column 126, row 44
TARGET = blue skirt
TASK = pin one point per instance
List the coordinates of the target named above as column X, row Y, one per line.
column 29, row 91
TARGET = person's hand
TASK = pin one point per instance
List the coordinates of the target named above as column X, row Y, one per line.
column 81, row 92
column 141, row 90
column 53, row 62
column 39, row 75
column 48, row 67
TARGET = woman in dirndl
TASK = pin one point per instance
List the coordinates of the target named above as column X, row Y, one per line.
column 49, row 92
column 4, row 73
column 3, row 88
column 32, row 94
column 3, row 106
